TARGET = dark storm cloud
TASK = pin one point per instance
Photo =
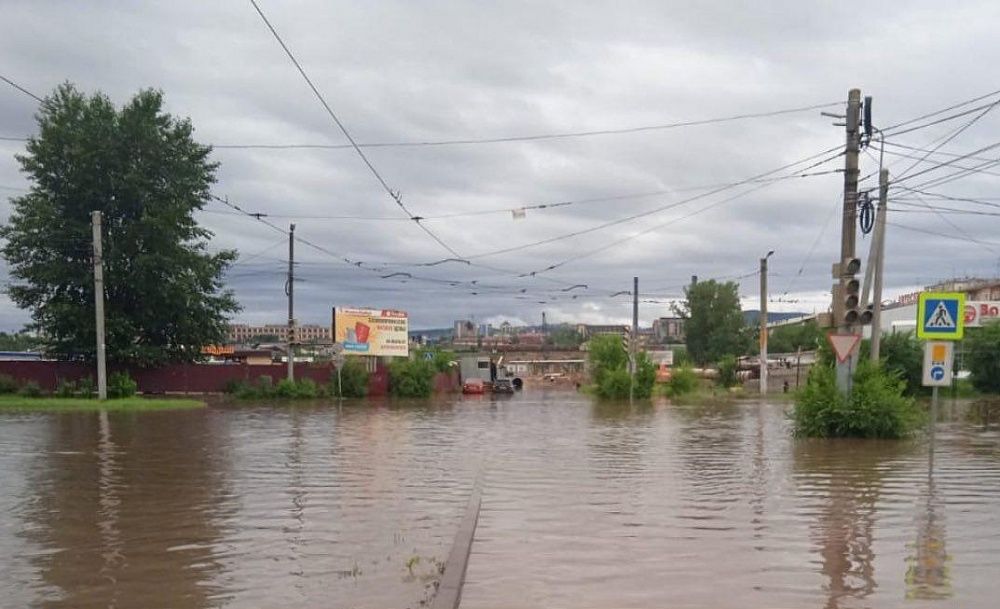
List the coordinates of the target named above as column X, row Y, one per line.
column 402, row 71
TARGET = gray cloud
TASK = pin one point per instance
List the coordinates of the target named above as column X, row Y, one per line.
column 401, row 71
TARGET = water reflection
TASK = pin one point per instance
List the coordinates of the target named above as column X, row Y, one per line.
column 115, row 536
column 585, row 504
column 928, row 574
column 844, row 479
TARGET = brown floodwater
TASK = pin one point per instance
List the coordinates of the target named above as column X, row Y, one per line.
column 583, row 505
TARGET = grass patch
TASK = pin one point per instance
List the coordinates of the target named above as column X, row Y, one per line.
column 52, row 404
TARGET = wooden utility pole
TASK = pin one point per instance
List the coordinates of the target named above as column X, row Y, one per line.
column 102, row 366
column 763, row 323
column 290, row 290
column 883, row 197
column 847, row 234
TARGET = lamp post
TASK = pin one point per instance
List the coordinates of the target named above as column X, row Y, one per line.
column 763, row 322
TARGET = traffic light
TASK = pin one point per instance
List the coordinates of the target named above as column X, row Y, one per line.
column 846, row 293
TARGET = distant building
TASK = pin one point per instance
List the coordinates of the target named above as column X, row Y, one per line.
column 668, row 329
column 242, row 334
column 464, row 329
column 588, row 331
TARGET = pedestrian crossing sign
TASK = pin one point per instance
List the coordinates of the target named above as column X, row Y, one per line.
column 941, row 315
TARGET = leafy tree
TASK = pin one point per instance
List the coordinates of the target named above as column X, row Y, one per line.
column 143, row 170
column 982, row 357
column 411, row 378
column 713, row 322
column 19, row 341
column 609, row 370
column 902, row 354
column 786, row 339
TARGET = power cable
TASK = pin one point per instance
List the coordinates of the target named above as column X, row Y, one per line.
column 394, row 194
column 21, row 89
column 661, row 208
column 534, row 137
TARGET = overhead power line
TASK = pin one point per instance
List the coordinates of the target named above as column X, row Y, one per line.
column 21, row 89
column 537, row 136
column 664, row 207
column 394, row 194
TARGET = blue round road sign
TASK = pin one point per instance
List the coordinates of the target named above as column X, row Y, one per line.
column 937, row 373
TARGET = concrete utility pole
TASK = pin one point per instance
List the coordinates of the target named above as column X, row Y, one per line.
column 883, row 198
column 635, row 336
column 763, row 323
column 102, row 366
column 847, row 234
column 290, row 290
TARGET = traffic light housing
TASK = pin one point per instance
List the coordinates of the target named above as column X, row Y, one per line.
column 847, row 294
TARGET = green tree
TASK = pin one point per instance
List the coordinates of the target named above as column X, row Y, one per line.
column 902, row 354
column 713, row 321
column 411, row 378
column 19, row 341
column 786, row 339
column 609, row 369
column 982, row 357
column 143, row 170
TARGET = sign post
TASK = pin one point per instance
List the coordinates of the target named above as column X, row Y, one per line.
column 941, row 318
column 939, row 357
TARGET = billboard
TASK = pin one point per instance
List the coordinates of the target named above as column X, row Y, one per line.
column 371, row 331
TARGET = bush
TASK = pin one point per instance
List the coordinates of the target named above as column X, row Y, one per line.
column 727, row 372
column 441, row 359
column 353, row 381
column 65, row 388
column 982, row 357
column 876, row 408
column 121, row 385
column 609, row 370
column 86, row 387
column 902, row 354
column 266, row 388
column 8, row 384
column 30, row 389
column 614, row 384
column 682, row 381
column 411, row 378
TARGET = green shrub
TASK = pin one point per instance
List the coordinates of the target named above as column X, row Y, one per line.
column 645, row 376
column 683, row 380
column 31, row 389
column 727, row 372
column 121, row 385
column 86, row 387
column 609, row 370
column 982, row 357
column 614, row 384
column 411, row 378
column 876, row 408
column 441, row 359
column 234, row 386
column 353, row 380
column 65, row 388
column 8, row 384
column 902, row 354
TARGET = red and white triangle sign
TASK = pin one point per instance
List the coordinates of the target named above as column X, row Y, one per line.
column 843, row 344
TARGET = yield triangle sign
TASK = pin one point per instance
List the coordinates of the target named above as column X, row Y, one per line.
column 941, row 318
column 843, row 344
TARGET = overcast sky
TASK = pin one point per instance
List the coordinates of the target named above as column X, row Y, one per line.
column 432, row 71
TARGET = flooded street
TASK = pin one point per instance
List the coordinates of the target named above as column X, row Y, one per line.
column 583, row 505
